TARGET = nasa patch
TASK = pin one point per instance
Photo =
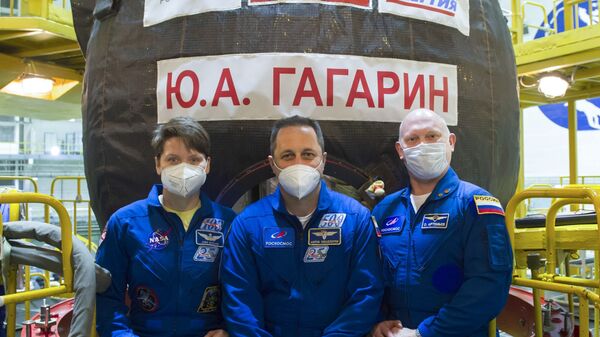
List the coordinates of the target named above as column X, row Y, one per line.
column 209, row 238
column 210, row 299
column 316, row 254
column 158, row 240
column 279, row 237
column 206, row 253
column 392, row 224
column 332, row 220
column 325, row 236
column 212, row 224
column 435, row 221
column 146, row 298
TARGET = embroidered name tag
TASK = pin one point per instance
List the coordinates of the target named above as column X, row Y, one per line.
column 325, row 236
column 435, row 221
column 209, row 238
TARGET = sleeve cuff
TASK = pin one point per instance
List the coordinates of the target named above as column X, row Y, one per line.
column 423, row 330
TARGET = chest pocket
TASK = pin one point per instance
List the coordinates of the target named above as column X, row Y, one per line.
column 278, row 263
column 145, row 268
column 430, row 235
column 394, row 246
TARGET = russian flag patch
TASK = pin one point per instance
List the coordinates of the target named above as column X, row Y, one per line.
column 488, row 205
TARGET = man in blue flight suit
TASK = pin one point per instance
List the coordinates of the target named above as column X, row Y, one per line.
column 446, row 251
column 303, row 261
column 164, row 251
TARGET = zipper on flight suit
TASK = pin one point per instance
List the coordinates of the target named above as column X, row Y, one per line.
column 301, row 252
column 179, row 254
column 411, row 249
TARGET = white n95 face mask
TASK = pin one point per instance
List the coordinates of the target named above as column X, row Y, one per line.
column 299, row 180
column 426, row 161
column 183, row 179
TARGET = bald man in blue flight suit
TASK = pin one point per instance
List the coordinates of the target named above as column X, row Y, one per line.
column 303, row 261
column 446, row 251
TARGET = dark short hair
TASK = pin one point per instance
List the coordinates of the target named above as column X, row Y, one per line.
column 296, row 121
column 193, row 135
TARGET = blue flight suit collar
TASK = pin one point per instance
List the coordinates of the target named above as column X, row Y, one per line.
column 206, row 207
column 324, row 202
column 448, row 184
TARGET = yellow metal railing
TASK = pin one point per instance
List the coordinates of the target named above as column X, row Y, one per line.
column 12, row 297
column 585, row 297
column 550, row 280
column 33, row 182
column 570, row 12
column 27, row 269
column 78, row 200
column 564, row 180
column 546, row 27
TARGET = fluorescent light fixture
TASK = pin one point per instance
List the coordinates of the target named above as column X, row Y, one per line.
column 36, row 84
column 553, row 85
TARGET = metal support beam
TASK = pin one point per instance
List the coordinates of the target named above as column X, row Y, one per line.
column 31, row 23
column 522, row 209
column 572, row 111
column 12, row 36
column 586, row 74
column 550, row 64
column 50, row 51
column 50, row 70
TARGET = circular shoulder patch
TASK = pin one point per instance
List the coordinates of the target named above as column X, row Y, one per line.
column 146, row 298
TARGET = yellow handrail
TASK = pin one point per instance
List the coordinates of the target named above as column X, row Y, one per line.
column 78, row 199
column 585, row 296
column 567, row 195
column 30, row 179
column 12, row 296
column 546, row 26
column 27, row 268
column 545, row 193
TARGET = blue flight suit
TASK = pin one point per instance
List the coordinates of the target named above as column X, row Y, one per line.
column 171, row 275
column 448, row 267
column 282, row 280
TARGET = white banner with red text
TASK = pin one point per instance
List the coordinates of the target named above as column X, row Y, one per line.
column 353, row 3
column 320, row 86
column 157, row 11
column 451, row 13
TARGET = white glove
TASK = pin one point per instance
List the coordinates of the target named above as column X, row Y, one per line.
column 406, row 332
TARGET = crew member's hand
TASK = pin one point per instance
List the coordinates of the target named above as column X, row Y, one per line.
column 387, row 329
column 406, row 332
column 217, row 333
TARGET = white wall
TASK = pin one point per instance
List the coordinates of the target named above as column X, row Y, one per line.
column 547, row 147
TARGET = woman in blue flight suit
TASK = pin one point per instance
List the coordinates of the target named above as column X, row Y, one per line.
column 164, row 251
